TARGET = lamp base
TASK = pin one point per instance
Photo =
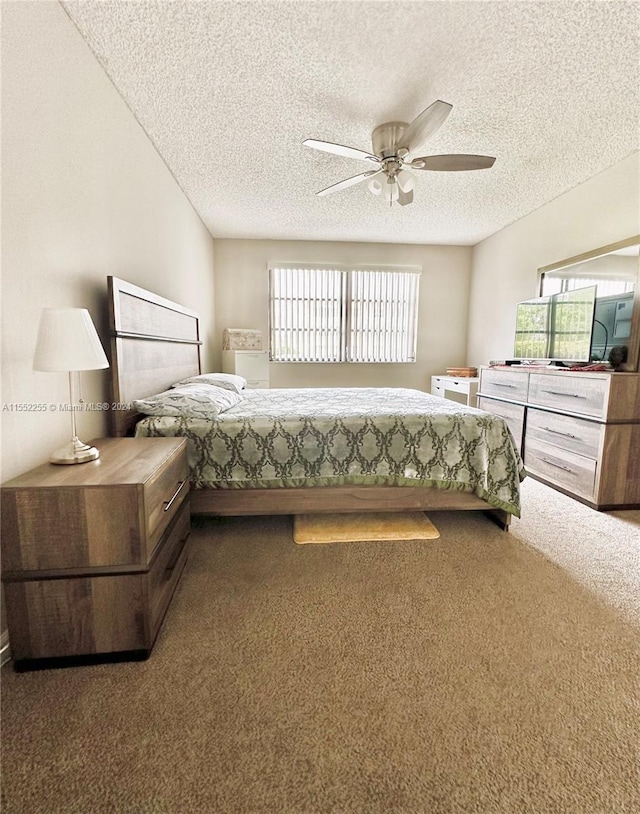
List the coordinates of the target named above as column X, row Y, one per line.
column 75, row 452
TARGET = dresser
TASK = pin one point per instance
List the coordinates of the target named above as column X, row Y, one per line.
column 92, row 553
column 456, row 388
column 253, row 365
column 578, row 431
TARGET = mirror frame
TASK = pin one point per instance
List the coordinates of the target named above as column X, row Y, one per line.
column 633, row 357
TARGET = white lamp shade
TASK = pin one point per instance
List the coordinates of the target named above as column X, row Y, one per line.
column 375, row 186
column 405, row 180
column 67, row 340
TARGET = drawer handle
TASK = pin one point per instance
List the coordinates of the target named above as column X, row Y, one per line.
column 564, row 434
column 176, row 556
column 557, row 466
column 500, row 384
column 169, row 503
column 561, row 393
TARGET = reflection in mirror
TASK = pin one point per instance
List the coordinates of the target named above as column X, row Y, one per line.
column 615, row 271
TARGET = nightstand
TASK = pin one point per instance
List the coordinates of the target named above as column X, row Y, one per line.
column 252, row 364
column 92, row 553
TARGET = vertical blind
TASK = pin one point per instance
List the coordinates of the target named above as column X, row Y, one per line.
column 343, row 315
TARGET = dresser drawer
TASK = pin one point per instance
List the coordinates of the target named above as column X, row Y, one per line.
column 505, row 383
column 166, row 568
column 163, row 495
column 513, row 414
column 573, row 393
column 573, row 472
column 573, row 434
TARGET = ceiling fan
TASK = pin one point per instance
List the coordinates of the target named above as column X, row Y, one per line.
column 393, row 142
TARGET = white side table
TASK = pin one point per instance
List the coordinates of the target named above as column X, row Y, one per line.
column 446, row 386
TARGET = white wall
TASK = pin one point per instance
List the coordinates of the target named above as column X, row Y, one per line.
column 84, row 195
column 603, row 210
column 242, row 302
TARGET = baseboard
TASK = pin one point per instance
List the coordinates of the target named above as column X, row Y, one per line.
column 5, row 654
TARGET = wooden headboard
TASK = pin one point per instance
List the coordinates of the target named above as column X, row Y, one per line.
column 154, row 343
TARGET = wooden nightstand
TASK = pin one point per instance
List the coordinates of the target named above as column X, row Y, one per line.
column 92, row 553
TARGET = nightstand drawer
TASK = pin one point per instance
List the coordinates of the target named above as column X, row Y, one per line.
column 163, row 495
column 573, row 472
column 254, row 363
column 80, row 616
column 166, row 568
column 572, row 393
column 505, row 383
column 567, row 432
column 70, row 528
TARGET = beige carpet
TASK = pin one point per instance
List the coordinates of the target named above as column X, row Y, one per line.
column 362, row 527
column 483, row 673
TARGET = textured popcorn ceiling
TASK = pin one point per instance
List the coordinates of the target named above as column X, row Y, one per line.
column 227, row 91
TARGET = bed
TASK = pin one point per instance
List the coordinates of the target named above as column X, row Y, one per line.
column 292, row 451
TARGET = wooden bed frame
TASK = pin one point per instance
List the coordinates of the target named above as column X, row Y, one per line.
column 156, row 342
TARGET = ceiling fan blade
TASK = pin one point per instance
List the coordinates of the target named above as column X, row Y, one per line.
column 348, row 182
column 452, row 163
column 339, row 149
column 404, row 198
column 424, row 125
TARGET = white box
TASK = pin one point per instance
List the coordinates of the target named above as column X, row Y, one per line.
column 241, row 339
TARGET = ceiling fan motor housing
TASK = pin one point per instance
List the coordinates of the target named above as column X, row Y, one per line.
column 386, row 137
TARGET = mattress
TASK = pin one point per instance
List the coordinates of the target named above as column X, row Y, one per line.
column 299, row 437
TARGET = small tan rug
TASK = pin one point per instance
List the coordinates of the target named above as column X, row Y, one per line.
column 361, row 527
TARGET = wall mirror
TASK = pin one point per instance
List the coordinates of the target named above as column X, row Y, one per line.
column 615, row 270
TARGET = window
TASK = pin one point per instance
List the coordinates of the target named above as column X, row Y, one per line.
column 555, row 284
column 343, row 314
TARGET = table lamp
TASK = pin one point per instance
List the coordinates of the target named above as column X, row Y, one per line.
column 68, row 342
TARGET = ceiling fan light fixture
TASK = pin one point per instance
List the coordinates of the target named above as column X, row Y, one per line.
column 405, row 180
column 375, row 186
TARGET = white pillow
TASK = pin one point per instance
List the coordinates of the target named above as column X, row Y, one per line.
column 228, row 381
column 189, row 401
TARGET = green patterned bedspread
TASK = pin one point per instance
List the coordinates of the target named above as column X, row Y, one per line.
column 334, row 436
